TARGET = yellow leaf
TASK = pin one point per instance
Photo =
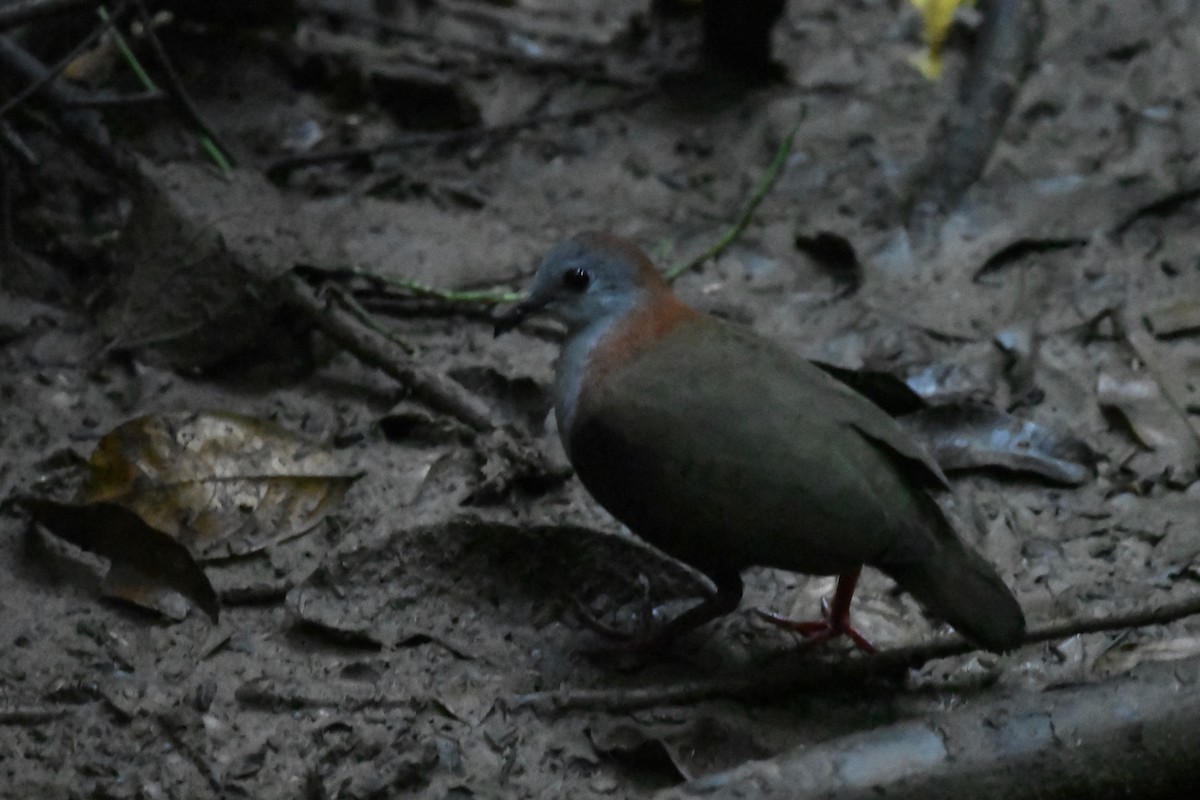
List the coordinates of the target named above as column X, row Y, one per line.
column 939, row 16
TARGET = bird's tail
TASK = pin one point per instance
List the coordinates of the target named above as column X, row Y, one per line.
column 957, row 585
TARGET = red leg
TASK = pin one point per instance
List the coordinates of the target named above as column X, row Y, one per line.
column 836, row 620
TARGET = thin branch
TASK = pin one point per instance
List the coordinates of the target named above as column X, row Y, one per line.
column 209, row 138
column 511, row 456
column 761, row 191
column 422, row 290
column 791, row 673
column 113, row 100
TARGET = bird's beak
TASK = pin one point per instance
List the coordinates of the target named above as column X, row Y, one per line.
column 507, row 321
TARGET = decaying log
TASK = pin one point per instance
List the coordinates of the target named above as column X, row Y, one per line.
column 1134, row 736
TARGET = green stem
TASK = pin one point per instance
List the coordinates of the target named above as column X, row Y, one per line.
column 760, row 192
column 484, row 296
column 208, row 145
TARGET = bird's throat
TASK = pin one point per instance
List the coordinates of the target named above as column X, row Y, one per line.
column 607, row 344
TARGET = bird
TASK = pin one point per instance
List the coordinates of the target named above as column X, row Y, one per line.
column 727, row 451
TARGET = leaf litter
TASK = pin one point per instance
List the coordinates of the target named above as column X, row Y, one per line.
column 165, row 492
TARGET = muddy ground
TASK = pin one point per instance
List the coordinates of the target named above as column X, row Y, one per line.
column 384, row 653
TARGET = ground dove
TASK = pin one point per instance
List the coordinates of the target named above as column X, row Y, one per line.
column 727, row 451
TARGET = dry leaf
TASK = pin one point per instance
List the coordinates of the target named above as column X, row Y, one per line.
column 973, row 436
column 148, row 564
column 221, row 484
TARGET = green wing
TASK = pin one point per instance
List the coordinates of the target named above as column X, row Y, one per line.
column 727, row 451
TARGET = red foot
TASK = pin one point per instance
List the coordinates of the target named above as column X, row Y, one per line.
column 836, row 621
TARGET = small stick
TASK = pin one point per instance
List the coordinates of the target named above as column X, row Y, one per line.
column 785, row 675
column 482, row 296
column 209, row 139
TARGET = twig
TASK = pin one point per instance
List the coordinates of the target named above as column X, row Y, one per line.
column 7, row 181
column 511, row 457
column 182, row 102
column 14, row 141
column 112, row 99
column 24, row 11
column 30, row 715
column 418, row 289
column 364, row 317
column 799, row 672
column 209, row 139
column 761, row 191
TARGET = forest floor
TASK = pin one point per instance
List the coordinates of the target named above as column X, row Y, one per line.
column 391, row 651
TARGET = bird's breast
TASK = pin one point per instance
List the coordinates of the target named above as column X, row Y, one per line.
column 604, row 347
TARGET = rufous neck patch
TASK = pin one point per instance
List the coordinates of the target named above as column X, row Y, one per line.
column 646, row 324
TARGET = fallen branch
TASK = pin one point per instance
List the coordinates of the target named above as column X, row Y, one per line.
column 1004, row 51
column 793, row 673
column 1129, row 737
column 592, row 70
column 510, row 457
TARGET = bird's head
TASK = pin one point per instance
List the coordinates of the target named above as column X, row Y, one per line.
column 588, row 278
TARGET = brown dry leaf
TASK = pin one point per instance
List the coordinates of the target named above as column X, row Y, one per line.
column 220, row 484
column 149, row 569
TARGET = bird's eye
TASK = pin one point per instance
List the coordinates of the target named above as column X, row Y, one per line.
column 577, row 279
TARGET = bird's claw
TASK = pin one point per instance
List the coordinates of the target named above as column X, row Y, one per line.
column 817, row 631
